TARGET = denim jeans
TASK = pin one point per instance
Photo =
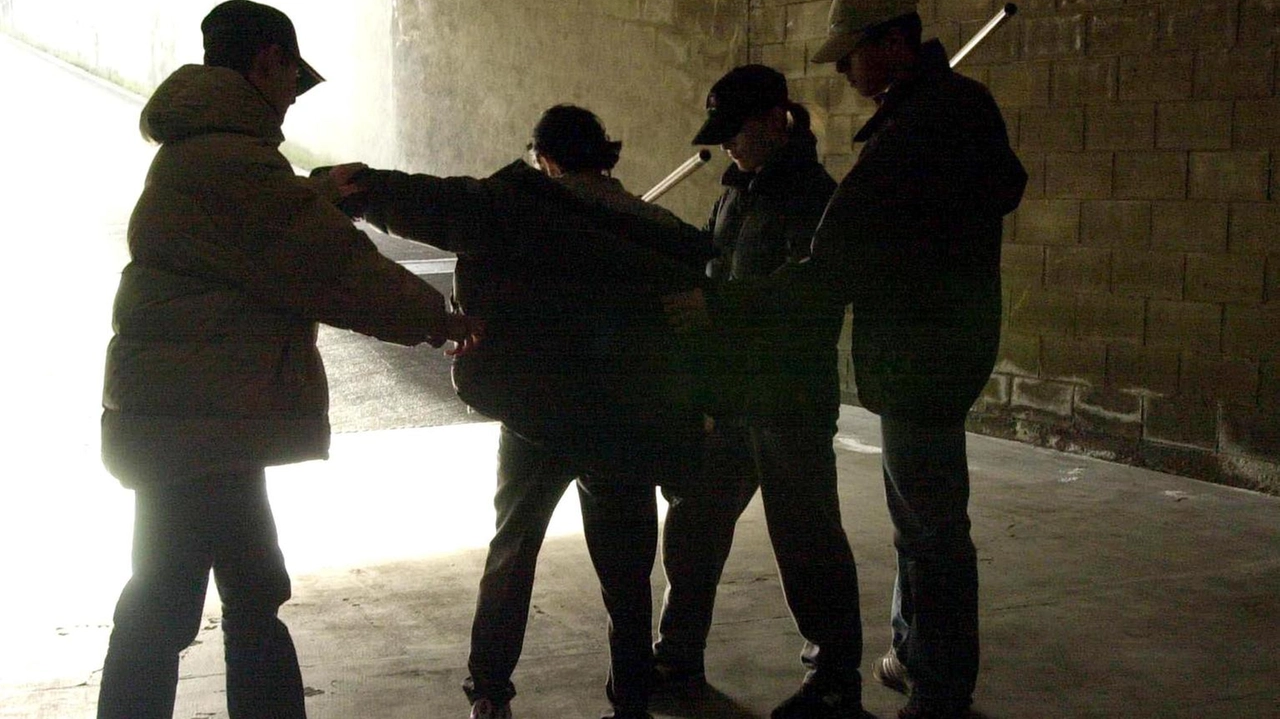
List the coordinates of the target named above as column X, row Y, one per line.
column 935, row 596
column 180, row 532
column 620, row 525
column 794, row 464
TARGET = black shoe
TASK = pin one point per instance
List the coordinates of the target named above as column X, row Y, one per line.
column 678, row 680
column 926, row 710
column 892, row 673
column 812, row 702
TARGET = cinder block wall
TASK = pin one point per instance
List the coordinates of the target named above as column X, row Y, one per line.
column 1142, row 272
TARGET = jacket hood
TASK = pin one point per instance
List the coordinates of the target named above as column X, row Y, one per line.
column 199, row 100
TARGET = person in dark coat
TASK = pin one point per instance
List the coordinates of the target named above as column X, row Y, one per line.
column 911, row 240
column 777, row 434
column 213, row 373
column 565, row 268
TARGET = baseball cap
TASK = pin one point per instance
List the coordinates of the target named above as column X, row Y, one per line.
column 237, row 29
column 744, row 91
column 850, row 19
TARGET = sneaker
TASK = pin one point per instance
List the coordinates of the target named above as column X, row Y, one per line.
column 892, row 673
column 810, row 702
column 488, row 709
column 675, row 679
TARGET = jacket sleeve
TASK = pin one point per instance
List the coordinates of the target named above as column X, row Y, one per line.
column 455, row 214
column 314, row 263
column 805, row 214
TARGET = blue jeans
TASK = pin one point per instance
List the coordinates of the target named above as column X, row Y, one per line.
column 180, row 532
column 620, row 524
column 935, row 596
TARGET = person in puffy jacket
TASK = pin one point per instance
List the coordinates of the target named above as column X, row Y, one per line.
column 213, row 372
column 565, row 268
column 778, row 434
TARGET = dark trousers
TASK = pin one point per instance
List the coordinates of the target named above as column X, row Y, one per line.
column 794, row 465
column 180, row 532
column 621, row 529
column 935, row 597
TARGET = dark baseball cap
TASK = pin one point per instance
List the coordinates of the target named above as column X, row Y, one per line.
column 237, row 29
column 744, row 91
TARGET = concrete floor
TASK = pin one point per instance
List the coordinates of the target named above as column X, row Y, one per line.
column 1107, row 591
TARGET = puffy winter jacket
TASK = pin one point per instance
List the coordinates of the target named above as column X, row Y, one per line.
column 911, row 240
column 233, row 261
column 577, row 355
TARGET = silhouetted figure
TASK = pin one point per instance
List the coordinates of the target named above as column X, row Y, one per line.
column 777, row 433
column 911, row 239
column 213, row 372
column 565, row 268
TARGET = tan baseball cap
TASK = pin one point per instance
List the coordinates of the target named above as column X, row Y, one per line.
column 850, row 19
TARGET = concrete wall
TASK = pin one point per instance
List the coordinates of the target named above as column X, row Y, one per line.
column 446, row 86
column 1142, row 272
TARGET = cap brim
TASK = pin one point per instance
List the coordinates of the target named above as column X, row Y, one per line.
column 718, row 128
column 307, row 76
column 835, row 48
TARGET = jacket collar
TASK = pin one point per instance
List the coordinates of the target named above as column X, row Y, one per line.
column 931, row 67
column 800, row 151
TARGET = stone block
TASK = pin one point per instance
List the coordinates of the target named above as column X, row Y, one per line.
column 768, row 24
column 807, row 20
column 1083, row 269
column 1083, row 175
column 1120, row 127
column 812, row 92
column 1033, row 163
column 1198, row 23
column 995, row 395
column 1042, row 396
column 1020, row 84
column 1023, row 263
column 785, row 57
column 1255, row 126
column 1059, row 128
column 1252, row 332
column 1108, row 317
column 1269, row 385
column 1250, row 432
column 1080, row 362
column 1049, row 222
column 1108, row 411
column 1191, row 421
column 1196, row 125
column 1154, row 175
column 962, row 10
column 1053, row 36
column 1041, row 311
column 1241, row 72
column 1088, row 80
column 1155, row 275
column 1142, row 370
column 1019, row 354
column 845, row 99
column 1259, row 22
column 1184, row 325
column 1226, row 379
column 1241, row 175
column 662, row 12
column 1001, row 46
column 1189, row 226
column 1115, row 223
column 1154, row 78
column 835, row 133
column 1225, row 278
column 1123, row 31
